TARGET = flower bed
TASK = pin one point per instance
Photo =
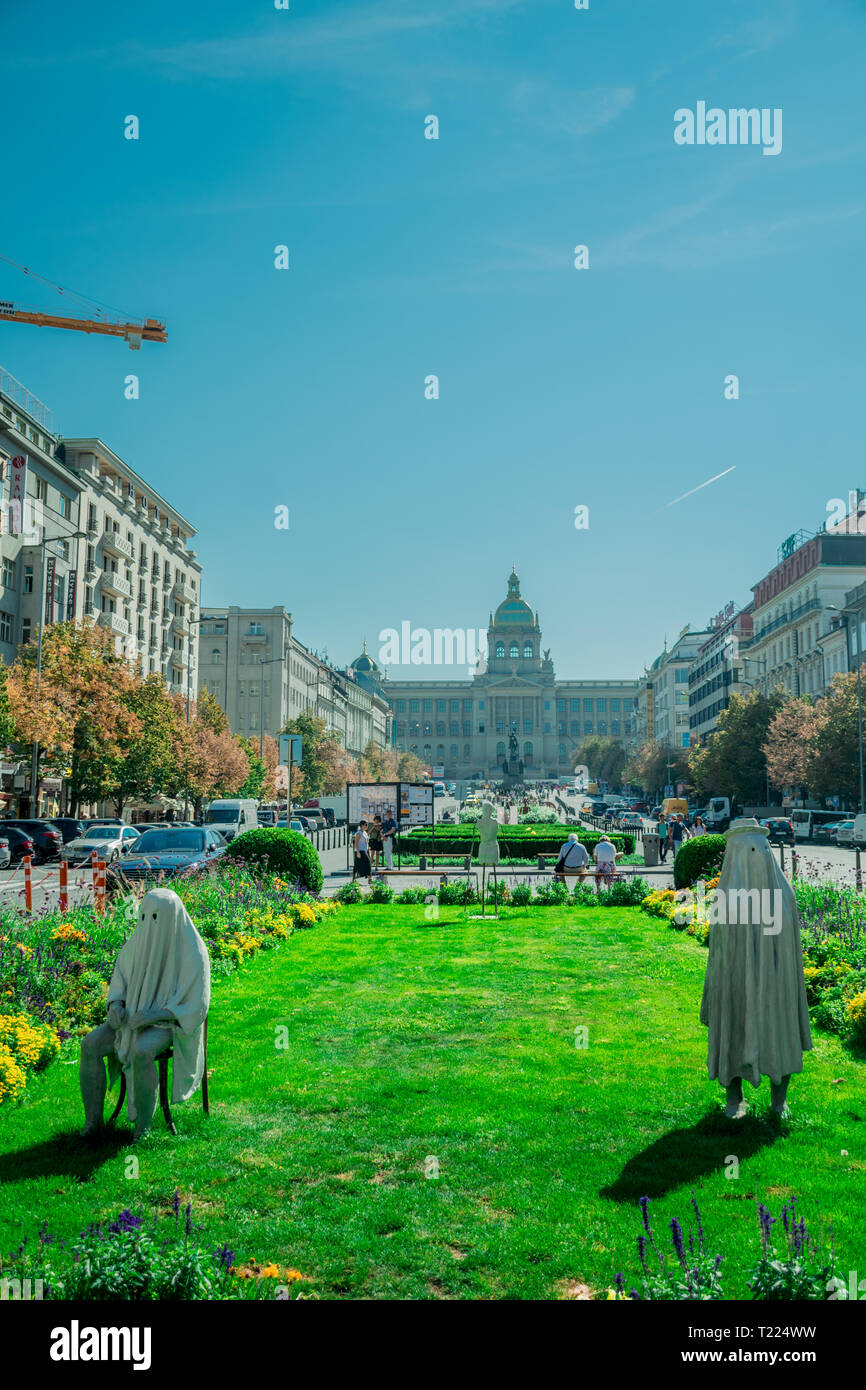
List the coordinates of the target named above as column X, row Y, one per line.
column 54, row 971
column 147, row 1258
column 833, row 933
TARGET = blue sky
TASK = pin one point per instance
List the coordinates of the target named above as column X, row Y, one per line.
column 558, row 387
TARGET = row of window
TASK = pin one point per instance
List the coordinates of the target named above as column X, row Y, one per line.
column 591, row 705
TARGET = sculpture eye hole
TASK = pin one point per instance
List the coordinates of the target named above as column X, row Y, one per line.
column 154, row 917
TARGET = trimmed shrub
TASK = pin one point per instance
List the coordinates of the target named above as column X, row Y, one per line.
column 551, row 894
column 627, row 892
column 460, row 892
column 521, row 895
column 699, row 858
column 283, row 852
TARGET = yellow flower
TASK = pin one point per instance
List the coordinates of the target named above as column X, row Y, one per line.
column 271, row 1272
column 12, row 1078
column 67, row 932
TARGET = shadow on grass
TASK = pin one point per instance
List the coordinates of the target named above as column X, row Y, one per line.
column 67, row 1154
column 683, row 1155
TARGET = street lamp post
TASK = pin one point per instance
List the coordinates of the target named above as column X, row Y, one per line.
column 34, row 763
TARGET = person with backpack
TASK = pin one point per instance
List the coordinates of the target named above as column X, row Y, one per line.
column 678, row 833
column 662, row 832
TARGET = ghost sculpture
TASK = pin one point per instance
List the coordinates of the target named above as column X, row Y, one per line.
column 158, row 996
column 754, row 1000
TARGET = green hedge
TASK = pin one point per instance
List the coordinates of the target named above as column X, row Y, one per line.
column 283, row 852
column 699, row 858
column 515, row 841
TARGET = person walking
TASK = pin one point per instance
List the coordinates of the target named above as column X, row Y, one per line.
column 698, row 828
column 679, row 832
column 389, row 830
column 362, row 855
column 662, row 832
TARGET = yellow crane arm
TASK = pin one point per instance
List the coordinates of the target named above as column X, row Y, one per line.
column 151, row 329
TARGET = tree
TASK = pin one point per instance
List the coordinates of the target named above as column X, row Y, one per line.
column 654, row 766
column 789, row 745
column 731, row 762
column 148, row 765
column 604, row 757
column 833, row 768
column 313, row 731
column 81, row 709
column 340, row 767
column 209, row 764
column 380, row 764
column 410, row 768
column 210, row 713
column 255, row 782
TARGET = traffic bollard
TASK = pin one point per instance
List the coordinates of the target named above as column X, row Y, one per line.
column 28, row 884
column 64, row 886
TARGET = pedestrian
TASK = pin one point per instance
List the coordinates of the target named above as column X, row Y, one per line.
column 678, row 833
column 389, row 830
column 376, row 845
column 573, row 857
column 604, row 855
column 662, row 832
column 698, row 828
column 362, row 857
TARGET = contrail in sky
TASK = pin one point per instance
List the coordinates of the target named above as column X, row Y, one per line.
column 699, row 486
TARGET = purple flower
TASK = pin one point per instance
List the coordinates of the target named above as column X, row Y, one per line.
column 188, row 1223
column 644, row 1207
column 677, row 1238
column 175, row 1204
column 124, row 1223
column 226, row 1258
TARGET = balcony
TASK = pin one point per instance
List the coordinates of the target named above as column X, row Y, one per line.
column 116, row 544
column 114, row 623
column 178, row 625
column 166, row 651
column 184, row 593
column 178, row 659
column 116, row 584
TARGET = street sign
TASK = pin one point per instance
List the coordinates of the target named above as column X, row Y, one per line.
column 291, row 746
column 669, row 791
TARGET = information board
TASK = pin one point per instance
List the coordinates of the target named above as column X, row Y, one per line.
column 369, row 799
column 416, row 804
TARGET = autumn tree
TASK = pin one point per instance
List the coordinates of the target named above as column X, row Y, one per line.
column 81, row 708
column 339, row 767
column 209, row 764
column 790, row 743
column 604, row 757
column 654, row 766
column 380, row 763
column 410, row 768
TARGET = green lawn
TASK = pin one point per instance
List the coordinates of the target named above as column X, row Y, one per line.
column 454, row 1040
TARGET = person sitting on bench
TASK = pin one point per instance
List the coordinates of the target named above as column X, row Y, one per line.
column 158, row 997
column 572, row 857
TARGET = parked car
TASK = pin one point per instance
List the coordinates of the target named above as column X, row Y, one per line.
column 70, row 827
column 844, row 832
column 19, row 843
column 296, row 824
column 315, row 817
column 825, row 832
column 175, row 850
column 109, row 842
column 105, row 820
column 781, row 831
column 301, row 818
column 5, row 852
column 47, row 839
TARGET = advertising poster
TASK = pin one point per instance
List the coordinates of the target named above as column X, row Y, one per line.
column 371, row 799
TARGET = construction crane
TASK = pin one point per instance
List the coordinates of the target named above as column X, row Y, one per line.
column 114, row 323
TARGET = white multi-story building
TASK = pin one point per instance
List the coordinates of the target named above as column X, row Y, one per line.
column 796, row 641
column 662, row 700
column 244, row 661
column 140, row 580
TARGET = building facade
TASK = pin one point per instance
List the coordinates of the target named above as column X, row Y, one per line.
column 795, row 643
column 140, row 580
column 465, row 726
column 717, row 672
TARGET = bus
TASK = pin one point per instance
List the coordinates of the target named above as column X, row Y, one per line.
column 804, row 822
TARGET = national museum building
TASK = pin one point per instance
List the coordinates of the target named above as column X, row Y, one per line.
column 465, row 726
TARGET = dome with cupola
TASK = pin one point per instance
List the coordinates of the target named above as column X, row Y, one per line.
column 513, row 608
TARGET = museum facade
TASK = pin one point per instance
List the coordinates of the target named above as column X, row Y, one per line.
column 466, row 726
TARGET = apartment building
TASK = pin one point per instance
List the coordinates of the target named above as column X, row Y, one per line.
column 717, row 672
column 140, row 581
column 245, row 662
column 797, row 642
column 662, row 701
column 41, row 502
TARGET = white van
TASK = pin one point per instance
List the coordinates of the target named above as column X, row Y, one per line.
column 232, row 817
column 858, row 834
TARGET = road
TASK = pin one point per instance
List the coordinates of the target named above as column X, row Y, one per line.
column 46, row 887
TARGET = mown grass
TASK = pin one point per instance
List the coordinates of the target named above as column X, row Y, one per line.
column 411, row 1040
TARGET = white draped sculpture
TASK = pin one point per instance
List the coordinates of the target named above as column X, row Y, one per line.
column 754, row 1000
column 158, row 996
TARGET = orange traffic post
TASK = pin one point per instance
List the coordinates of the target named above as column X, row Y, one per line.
column 64, row 886
column 93, row 873
column 100, row 886
column 28, row 884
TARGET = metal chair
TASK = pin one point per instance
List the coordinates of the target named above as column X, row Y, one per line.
column 162, row 1060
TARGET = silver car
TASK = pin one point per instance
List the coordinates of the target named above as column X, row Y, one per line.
column 109, row 842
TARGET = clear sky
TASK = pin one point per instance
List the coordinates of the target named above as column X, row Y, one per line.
column 408, row 257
